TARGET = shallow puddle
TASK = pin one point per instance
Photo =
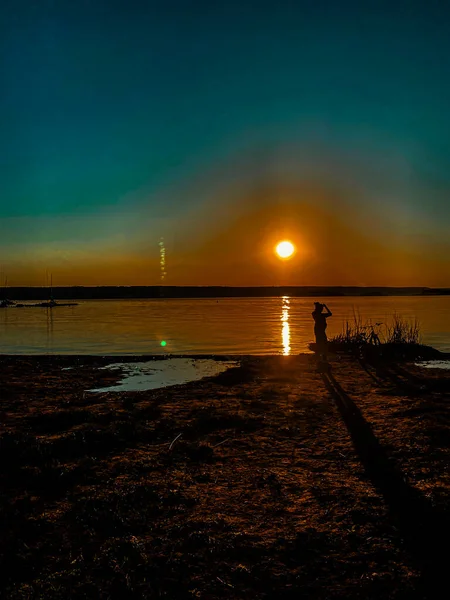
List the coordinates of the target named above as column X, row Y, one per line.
column 434, row 364
column 155, row 374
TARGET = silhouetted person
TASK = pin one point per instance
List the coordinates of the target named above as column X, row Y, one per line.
column 320, row 326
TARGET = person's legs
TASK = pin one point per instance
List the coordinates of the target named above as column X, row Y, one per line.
column 321, row 345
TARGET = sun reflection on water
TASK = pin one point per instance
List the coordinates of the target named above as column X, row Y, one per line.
column 285, row 330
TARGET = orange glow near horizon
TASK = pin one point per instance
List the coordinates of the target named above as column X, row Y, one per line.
column 285, row 249
column 264, row 239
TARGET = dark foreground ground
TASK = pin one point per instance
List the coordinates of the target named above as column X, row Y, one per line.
column 272, row 480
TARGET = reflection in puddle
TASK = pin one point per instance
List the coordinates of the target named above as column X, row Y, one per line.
column 434, row 364
column 285, row 331
column 154, row 374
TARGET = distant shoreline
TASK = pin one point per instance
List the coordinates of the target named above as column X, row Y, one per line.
column 138, row 292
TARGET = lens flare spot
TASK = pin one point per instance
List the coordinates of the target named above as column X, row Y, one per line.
column 163, row 343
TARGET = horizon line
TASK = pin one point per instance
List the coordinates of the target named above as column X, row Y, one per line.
column 423, row 287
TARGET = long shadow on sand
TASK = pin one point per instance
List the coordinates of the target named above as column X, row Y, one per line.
column 374, row 376
column 392, row 373
column 425, row 531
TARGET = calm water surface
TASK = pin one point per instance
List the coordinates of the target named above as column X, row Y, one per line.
column 204, row 326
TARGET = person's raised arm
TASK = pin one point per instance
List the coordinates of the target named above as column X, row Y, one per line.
column 328, row 313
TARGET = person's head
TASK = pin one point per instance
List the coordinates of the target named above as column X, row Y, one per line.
column 318, row 306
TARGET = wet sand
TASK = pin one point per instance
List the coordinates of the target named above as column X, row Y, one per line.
column 271, row 480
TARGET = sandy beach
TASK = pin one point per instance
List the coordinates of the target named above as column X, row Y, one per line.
column 271, row 480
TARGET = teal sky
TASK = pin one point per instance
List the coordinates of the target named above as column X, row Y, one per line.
column 125, row 121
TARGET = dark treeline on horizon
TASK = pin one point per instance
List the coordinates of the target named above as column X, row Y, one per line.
column 124, row 292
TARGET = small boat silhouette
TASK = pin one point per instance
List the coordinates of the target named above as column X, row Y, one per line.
column 51, row 303
column 5, row 301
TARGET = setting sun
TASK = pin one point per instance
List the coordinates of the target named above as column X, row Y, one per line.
column 285, row 249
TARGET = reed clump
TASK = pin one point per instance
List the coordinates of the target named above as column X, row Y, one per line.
column 400, row 334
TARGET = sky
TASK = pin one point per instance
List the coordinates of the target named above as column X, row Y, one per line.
column 210, row 131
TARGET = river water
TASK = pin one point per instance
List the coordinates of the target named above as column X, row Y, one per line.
column 204, row 326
